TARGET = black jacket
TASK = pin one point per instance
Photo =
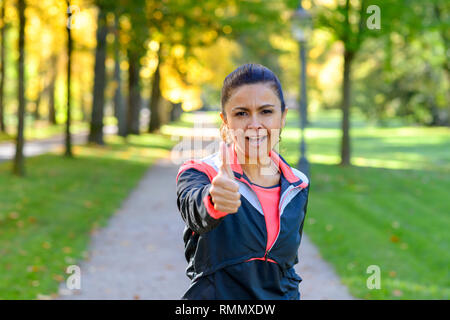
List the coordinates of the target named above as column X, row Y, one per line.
column 218, row 249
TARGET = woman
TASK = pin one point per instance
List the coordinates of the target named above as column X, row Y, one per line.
column 244, row 206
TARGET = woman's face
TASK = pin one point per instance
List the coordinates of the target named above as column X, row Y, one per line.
column 254, row 119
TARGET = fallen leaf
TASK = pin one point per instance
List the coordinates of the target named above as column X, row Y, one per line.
column 13, row 215
column 46, row 245
column 58, row 277
column 31, row 219
column 397, row 293
column 88, row 204
column 67, row 249
column 394, row 238
column 33, row 268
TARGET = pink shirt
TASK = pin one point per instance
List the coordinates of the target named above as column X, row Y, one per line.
column 269, row 197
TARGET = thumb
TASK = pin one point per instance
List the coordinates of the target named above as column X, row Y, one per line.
column 225, row 167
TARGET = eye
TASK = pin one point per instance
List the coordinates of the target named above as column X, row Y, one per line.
column 267, row 111
column 240, row 113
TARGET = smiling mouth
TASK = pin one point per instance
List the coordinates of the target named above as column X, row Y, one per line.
column 256, row 141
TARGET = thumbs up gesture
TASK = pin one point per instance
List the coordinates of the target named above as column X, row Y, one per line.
column 224, row 190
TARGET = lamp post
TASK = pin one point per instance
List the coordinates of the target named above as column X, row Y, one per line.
column 301, row 30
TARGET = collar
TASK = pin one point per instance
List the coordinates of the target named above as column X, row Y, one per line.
column 282, row 165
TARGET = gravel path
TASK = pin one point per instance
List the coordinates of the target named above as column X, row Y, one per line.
column 140, row 254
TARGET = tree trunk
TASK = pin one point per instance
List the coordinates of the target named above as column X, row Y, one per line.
column 51, row 90
column 37, row 104
column 134, row 96
column 82, row 97
column 19, row 167
column 119, row 106
column 346, row 101
column 41, row 88
column 68, row 140
column 446, row 63
column 96, row 129
column 155, row 117
column 175, row 112
column 2, row 67
column 84, row 116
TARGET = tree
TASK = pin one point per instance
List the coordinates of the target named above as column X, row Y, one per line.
column 19, row 167
column 51, row 89
column 134, row 92
column 68, row 140
column 40, row 90
column 96, row 126
column 119, row 105
column 407, row 67
column 352, row 42
column 441, row 12
column 188, row 25
column 2, row 66
column 346, row 21
column 155, row 118
column 138, row 35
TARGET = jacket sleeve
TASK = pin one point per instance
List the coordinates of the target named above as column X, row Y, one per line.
column 305, row 208
column 301, row 226
column 194, row 202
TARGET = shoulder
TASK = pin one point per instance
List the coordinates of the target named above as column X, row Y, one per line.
column 289, row 171
column 300, row 175
column 206, row 166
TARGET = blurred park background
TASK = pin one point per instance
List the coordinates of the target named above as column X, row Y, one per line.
column 126, row 77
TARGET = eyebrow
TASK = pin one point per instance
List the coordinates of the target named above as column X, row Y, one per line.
column 260, row 107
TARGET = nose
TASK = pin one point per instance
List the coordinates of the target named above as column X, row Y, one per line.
column 254, row 123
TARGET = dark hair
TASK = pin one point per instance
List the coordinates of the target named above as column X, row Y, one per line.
column 251, row 73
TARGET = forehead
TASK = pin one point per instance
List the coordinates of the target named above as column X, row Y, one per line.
column 253, row 96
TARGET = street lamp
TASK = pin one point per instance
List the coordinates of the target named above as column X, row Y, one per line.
column 301, row 30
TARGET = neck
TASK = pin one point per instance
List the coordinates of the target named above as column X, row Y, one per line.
column 263, row 168
column 256, row 169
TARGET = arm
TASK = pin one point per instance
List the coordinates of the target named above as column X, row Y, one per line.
column 305, row 208
column 194, row 202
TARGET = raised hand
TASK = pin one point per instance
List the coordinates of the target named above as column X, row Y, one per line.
column 224, row 189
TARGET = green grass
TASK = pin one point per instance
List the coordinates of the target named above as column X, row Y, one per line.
column 391, row 209
column 398, row 147
column 47, row 218
column 42, row 130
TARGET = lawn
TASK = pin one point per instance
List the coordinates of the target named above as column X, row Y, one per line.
column 391, row 209
column 42, row 129
column 47, row 218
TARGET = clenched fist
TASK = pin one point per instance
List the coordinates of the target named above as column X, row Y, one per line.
column 224, row 190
